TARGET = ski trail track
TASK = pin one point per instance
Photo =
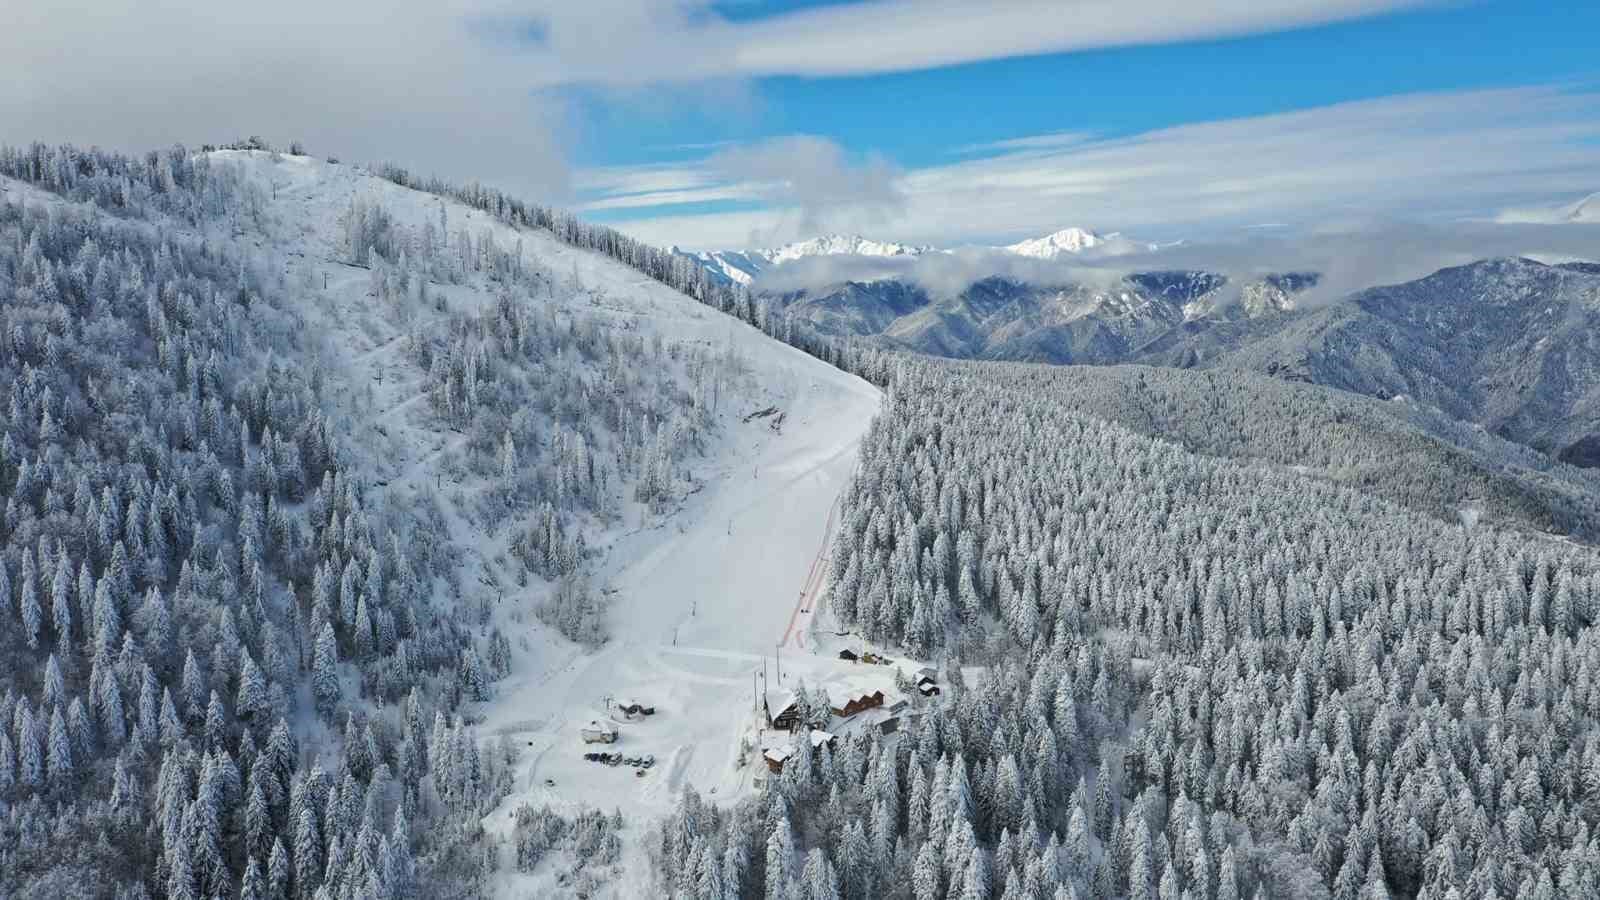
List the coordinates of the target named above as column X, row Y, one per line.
column 701, row 599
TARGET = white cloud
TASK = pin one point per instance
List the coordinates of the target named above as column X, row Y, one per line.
column 747, row 228
column 431, row 85
column 806, row 183
column 815, row 177
column 1585, row 210
column 1420, row 156
column 646, row 41
column 1349, row 258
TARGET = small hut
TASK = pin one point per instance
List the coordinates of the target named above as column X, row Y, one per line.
column 598, row 732
column 783, row 712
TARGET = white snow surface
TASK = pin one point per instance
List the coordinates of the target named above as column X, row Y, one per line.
column 1067, row 240
column 701, row 597
column 701, row 602
column 841, row 245
column 744, row 266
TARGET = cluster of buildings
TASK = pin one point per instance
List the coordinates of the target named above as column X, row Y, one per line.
column 601, row 731
column 856, row 702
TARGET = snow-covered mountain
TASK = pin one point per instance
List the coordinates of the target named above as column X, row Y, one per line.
column 262, row 358
column 729, row 266
column 1067, row 240
column 1002, row 318
column 743, row 266
column 842, row 245
column 1586, row 210
column 1508, row 344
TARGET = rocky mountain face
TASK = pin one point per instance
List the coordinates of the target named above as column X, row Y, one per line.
column 1511, row 345
column 1004, row 319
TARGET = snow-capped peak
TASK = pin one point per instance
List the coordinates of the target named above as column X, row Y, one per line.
column 842, row 245
column 1585, row 210
column 1067, row 240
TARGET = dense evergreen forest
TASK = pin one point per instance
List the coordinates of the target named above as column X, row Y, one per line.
column 1201, row 679
column 231, row 663
column 1214, row 646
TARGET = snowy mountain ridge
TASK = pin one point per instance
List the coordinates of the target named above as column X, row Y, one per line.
column 841, row 245
column 1065, row 241
column 1585, row 210
column 744, row 266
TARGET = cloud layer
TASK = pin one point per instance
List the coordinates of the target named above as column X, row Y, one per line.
column 1423, row 157
column 631, row 42
column 432, row 85
column 1348, row 259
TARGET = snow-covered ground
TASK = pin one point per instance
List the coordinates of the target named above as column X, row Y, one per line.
column 700, row 602
column 701, row 598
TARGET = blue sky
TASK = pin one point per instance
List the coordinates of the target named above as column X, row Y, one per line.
column 920, row 117
column 730, row 123
column 926, row 117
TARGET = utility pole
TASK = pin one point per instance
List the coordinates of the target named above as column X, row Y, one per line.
column 779, row 661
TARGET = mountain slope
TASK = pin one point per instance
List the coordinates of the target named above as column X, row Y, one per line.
column 1004, row 319
column 1397, row 450
column 379, row 460
column 1512, row 345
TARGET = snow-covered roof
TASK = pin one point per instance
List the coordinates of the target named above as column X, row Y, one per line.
column 599, row 726
column 869, row 718
column 779, row 746
column 841, row 694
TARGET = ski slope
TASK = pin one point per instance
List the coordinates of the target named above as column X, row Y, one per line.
column 700, row 603
column 701, row 597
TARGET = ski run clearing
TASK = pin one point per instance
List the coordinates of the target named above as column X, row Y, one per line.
column 700, row 598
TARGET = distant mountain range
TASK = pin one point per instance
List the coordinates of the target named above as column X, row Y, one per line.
column 1007, row 319
column 1511, row 345
column 744, row 266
